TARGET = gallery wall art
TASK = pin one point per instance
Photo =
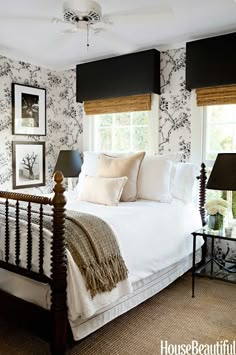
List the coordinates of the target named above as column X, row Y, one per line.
column 28, row 110
column 64, row 117
column 28, row 164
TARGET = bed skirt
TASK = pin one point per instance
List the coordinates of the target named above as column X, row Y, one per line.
column 142, row 290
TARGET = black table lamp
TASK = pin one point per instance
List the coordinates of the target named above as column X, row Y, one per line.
column 69, row 163
column 223, row 177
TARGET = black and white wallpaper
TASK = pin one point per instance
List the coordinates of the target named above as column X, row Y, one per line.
column 64, row 115
column 175, row 104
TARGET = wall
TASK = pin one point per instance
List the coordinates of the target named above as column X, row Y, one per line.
column 64, row 115
column 175, row 105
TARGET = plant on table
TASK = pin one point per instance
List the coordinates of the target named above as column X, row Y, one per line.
column 216, row 210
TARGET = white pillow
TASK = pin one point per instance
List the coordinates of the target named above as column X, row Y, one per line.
column 184, row 181
column 174, row 157
column 154, row 181
column 89, row 167
column 105, row 191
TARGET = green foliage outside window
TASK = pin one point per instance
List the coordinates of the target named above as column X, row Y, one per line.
column 234, row 202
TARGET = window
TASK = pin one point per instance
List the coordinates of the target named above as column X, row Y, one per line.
column 219, row 137
column 134, row 130
column 220, row 131
column 128, row 131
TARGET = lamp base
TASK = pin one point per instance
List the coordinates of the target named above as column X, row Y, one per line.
column 70, row 184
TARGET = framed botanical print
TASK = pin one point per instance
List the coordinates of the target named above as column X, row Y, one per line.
column 28, row 110
column 28, row 164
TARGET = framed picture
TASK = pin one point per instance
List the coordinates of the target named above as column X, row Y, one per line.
column 28, row 164
column 28, row 110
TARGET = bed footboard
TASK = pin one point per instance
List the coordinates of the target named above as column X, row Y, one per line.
column 59, row 271
column 57, row 279
column 202, row 192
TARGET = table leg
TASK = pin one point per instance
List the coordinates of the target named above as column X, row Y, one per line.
column 212, row 252
column 193, row 267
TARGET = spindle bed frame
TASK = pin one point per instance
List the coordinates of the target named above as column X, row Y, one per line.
column 57, row 316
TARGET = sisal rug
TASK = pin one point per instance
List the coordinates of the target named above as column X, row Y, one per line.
column 171, row 315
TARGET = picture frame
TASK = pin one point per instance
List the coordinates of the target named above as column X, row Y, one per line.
column 28, row 164
column 28, row 110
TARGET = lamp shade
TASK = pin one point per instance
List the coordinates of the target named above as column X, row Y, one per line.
column 223, row 175
column 69, row 163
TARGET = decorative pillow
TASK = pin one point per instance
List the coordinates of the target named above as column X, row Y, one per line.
column 154, row 179
column 90, row 166
column 184, row 181
column 105, row 191
column 125, row 166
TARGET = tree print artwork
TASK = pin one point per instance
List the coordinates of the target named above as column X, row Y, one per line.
column 28, row 163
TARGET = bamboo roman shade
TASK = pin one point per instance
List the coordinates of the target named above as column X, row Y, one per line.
column 218, row 95
column 119, row 104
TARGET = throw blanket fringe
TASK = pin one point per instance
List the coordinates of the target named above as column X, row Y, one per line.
column 105, row 276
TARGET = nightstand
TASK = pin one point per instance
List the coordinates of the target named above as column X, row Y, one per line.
column 211, row 265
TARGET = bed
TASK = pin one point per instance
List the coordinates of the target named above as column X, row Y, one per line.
column 60, row 288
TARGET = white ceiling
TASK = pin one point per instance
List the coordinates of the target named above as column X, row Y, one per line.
column 155, row 24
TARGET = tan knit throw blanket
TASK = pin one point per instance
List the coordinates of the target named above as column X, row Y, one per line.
column 92, row 245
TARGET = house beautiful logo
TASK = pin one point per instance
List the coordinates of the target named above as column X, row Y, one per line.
column 223, row 347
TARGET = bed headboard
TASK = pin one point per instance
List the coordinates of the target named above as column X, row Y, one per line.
column 202, row 192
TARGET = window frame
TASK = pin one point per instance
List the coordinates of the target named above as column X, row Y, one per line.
column 208, row 162
column 114, row 127
column 198, row 133
column 153, row 127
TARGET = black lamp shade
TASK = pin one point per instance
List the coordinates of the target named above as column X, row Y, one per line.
column 223, row 175
column 69, row 163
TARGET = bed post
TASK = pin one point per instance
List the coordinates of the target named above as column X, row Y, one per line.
column 58, row 270
column 202, row 193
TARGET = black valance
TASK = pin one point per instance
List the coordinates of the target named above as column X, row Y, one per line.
column 126, row 75
column 211, row 62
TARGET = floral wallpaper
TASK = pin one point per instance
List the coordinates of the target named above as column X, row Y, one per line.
column 64, row 115
column 175, row 106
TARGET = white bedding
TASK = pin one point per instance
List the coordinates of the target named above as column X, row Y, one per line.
column 151, row 235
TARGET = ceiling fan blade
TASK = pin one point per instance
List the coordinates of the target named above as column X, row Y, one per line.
column 158, row 9
column 140, row 15
column 72, row 30
column 76, row 5
column 25, row 19
column 140, row 18
column 15, row 53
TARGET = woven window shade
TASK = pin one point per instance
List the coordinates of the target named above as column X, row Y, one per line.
column 218, row 95
column 119, row 104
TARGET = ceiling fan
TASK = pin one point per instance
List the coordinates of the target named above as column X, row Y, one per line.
column 88, row 15
column 83, row 15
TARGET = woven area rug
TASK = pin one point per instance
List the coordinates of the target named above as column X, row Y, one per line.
column 171, row 315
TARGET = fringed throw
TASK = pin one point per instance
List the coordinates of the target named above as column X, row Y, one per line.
column 92, row 245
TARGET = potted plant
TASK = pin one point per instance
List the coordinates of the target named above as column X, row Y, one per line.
column 216, row 210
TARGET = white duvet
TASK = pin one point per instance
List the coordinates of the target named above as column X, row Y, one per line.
column 151, row 236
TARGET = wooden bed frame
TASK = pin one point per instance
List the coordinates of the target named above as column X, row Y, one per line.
column 56, row 318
